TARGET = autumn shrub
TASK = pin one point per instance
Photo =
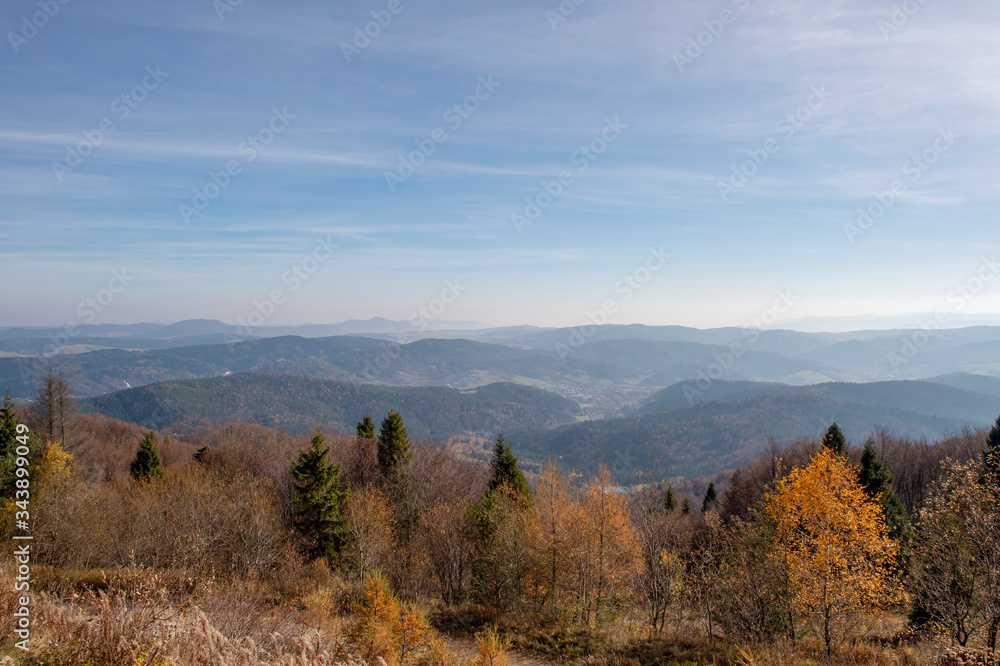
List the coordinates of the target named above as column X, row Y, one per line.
column 397, row 632
column 491, row 649
column 188, row 519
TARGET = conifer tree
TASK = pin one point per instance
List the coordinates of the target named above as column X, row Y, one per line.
column 319, row 499
column 147, row 463
column 505, row 471
column 992, row 455
column 8, row 426
column 394, row 453
column 8, row 444
column 670, row 499
column 711, row 501
column 366, row 428
column 685, row 507
column 876, row 479
column 834, row 440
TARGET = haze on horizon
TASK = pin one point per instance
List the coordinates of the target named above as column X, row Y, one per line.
column 667, row 163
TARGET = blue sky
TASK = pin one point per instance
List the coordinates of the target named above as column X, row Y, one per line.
column 834, row 99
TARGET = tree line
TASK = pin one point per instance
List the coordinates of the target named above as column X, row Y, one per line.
column 817, row 542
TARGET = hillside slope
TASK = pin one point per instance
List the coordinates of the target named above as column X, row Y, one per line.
column 296, row 403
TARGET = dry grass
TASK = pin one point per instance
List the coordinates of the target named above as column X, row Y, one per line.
column 137, row 617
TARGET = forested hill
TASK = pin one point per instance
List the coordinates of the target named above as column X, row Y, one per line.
column 295, row 403
column 709, row 437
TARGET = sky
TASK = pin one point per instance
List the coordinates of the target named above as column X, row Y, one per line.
column 525, row 162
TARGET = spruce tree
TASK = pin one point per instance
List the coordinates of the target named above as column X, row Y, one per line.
column 8, row 427
column 8, row 447
column 394, row 453
column 147, row 463
column 711, row 501
column 876, row 479
column 319, row 500
column 505, row 471
column 991, row 457
column 394, row 458
column 670, row 499
column 685, row 507
column 834, row 440
column 366, row 428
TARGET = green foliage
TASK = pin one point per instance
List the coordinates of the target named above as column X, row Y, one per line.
column 8, row 444
column 294, row 403
column 504, row 470
column 394, row 451
column 711, row 501
column 686, row 507
column 670, row 499
column 992, row 455
column 876, row 479
column 366, row 427
column 319, row 500
column 147, row 463
column 8, row 426
column 834, row 440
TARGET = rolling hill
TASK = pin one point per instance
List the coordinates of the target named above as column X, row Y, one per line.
column 715, row 435
column 295, row 403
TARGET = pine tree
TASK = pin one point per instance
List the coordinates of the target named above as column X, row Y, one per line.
column 366, row 428
column 876, row 479
column 394, row 457
column 992, row 455
column 147, row 462
column 8, row 445
column 8, row 426
column 711, row 501
column 319, row 499
column 670, row 499
column 505, row 471
column 394, row 453
column 685, row 507
column 834, row 440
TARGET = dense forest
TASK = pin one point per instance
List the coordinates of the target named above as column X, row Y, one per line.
column 244, row 544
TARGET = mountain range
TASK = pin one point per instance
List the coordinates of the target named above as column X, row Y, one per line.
column 698, row 400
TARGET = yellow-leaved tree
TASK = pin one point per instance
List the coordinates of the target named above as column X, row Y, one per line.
column 835, row 546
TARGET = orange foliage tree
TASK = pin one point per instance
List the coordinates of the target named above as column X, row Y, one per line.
column 835, row 544
column 610, row 556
